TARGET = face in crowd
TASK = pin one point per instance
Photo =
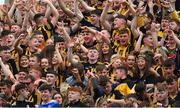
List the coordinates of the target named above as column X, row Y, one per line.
column 50, row 78
column 130, row 61
column 141, row 62
column 58, row 98
column 87, row 37
column 105, row 48
column 46, row 95
column 119, row 23
column 73, row 96
column 24, row 61
column 44, row 63
column 93, row 54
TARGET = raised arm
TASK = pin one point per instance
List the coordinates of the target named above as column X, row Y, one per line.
column 154, row 28
column 100, row 36
column 70, row 46
column 154, row 72
column 14, row 10
column 65, row 10
column 86, row 6
column 175, row 38
column 16, row 44
column 25, row 21
column 77, row 12
column 48, row 12
column 55, row 17
column 134, row 27
column 66, row 35
column 131, row 8
column 150, row 4
column 6, row 71
column 103, row 20
column 138, row 44
column 79, row 43
column 161, row 42
column 75, row 27
column 60, row 59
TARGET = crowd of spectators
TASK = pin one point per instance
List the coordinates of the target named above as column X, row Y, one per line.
column 90, row 53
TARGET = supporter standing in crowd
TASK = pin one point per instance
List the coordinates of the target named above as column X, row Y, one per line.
column 90, row 53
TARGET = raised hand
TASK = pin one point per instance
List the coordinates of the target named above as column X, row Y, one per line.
column 60, row 26
column 29, row 30
column 28, row 6
column 157, row 56
column 166, row 4
column 166, row 33
column 22, row 36
column 155, row 27
column 70, row 44
column 17, row 2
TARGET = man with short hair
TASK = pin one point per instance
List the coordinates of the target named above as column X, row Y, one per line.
column 46, row 93
column 103, row 88
column 5, row 54
column 74, row 96
column 21, row 76
column 36, row 73
column 168, row 67
column 4, row 35
column 91, row 63
column 35, row 95
column 34, row 61
column 51, row 77
column 124, row 84
column 101, row 70
column 22, row 96
column 5, row 88
column 172, row 87
column 77, row 75
column 15, row 28
column 45, row 25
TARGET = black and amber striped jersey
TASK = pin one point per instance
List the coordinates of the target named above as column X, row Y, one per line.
column 47, row 30
column 35, row 97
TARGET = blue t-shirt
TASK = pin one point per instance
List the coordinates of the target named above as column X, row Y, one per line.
column 51, row 104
